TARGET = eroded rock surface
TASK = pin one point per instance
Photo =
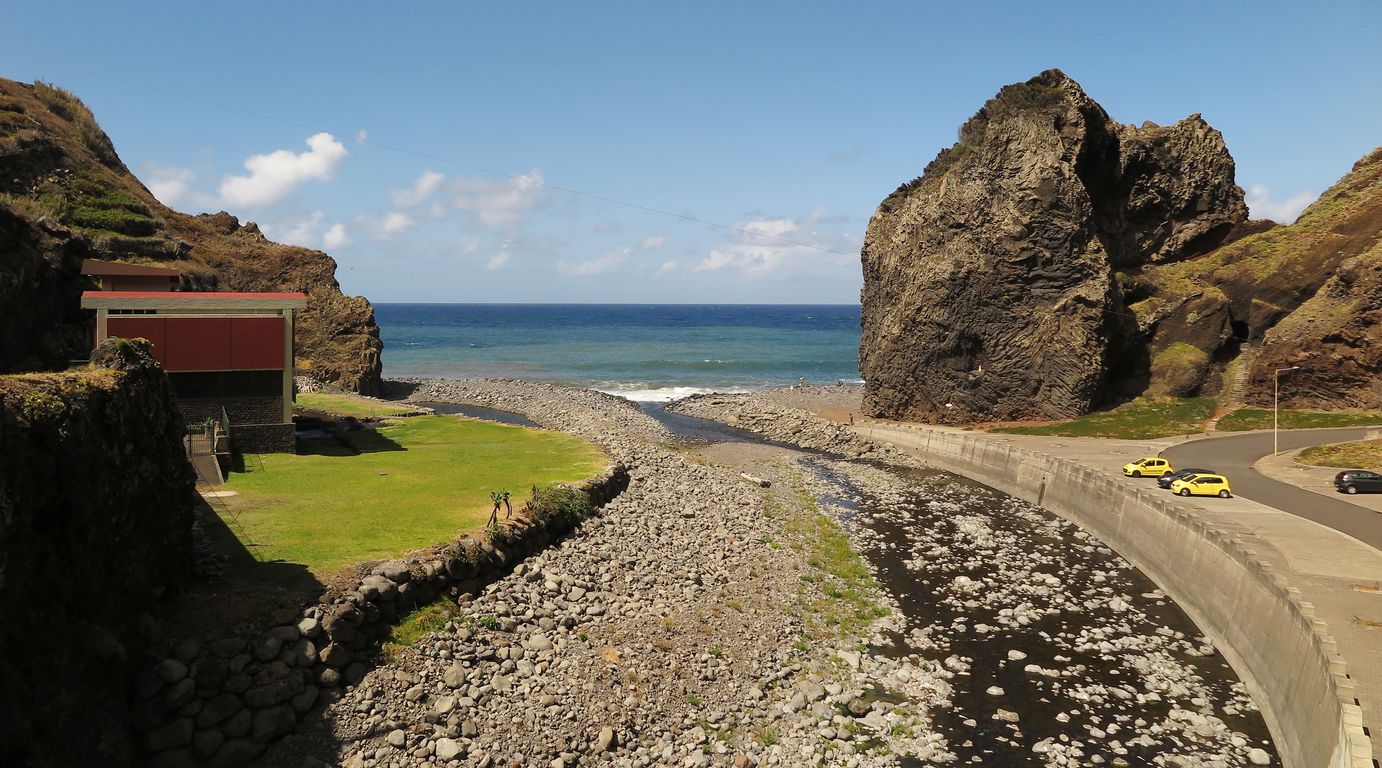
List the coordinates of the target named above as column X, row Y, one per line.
column 989, row 288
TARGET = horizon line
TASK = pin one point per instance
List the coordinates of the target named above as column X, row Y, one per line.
column 624, row 303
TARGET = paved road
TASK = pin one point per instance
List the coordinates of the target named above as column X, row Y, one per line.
column 1235, row 455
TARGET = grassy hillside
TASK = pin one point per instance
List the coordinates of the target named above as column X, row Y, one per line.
column 1310, row 294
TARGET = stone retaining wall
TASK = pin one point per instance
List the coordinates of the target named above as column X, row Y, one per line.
column 222, row 702
column 96, row 500
column 1269, row 635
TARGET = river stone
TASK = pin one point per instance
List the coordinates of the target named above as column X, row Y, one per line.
column 1258, row 756
column 605, row 740
column 218, row 708
column 539, row 643
column 239, row 724
column 335, row 655
column 172, row 670
column 448, row 749
column 177, row 733
column 377, row 588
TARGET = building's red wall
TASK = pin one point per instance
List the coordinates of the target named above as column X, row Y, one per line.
column 137, row 327
column 256, row 343
column 207, row 343
column 197, row 344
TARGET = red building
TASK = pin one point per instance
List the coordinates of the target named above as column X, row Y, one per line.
column 230, row 352
column 114, row 276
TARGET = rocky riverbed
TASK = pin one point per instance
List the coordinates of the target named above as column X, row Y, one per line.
column 686, row 625
column 704, row 620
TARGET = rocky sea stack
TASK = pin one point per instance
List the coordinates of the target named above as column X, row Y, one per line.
column 989, row 282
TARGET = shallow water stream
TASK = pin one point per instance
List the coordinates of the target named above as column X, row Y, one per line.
column 1063, row 653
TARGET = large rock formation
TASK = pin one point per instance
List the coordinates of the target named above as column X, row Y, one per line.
column 65, row 195
column 989, row 282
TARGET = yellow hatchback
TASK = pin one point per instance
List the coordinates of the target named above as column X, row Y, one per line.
column 1152, row 466
column 1202, row 485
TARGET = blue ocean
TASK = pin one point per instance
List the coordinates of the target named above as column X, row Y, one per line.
column 643, row 352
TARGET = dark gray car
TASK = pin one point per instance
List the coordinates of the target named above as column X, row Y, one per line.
column 1358, row 481
column 1166, row 480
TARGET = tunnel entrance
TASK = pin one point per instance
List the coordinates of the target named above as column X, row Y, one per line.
column 1240, row 329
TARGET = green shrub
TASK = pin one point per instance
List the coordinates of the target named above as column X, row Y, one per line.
column 115, row 220
column 559, row 506
column 40, row 406
column 1179, row 370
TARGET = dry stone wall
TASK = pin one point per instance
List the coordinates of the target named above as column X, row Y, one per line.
column 96, row 501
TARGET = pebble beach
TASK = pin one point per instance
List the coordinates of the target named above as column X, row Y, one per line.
column 860, row 610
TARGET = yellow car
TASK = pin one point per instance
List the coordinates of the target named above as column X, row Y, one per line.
column 1202, row 485
column 1152, row 466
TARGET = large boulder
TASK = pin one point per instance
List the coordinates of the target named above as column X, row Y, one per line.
column 989, row 282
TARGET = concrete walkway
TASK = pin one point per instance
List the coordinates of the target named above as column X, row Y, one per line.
column 1339, row 574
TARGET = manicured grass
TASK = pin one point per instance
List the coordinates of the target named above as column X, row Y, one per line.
column 1141, row 419
column 1245, row 419
column 1360, row 455
column 414, row 483
column 351, row 405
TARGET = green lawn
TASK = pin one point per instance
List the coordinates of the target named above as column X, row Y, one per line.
column 1360, row 455
column 416, row 482
column 1141, row 419
column 1245, row 419
column 351, row 405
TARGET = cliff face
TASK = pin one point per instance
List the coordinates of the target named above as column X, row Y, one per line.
column 1335, row 336
column 1306, row 293
column 65, row 195
column 989, row 282
column 96, row 501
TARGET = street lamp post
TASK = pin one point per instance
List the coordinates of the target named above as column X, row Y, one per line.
column 1276, row 395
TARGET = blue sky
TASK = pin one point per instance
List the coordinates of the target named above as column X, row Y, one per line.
column 791, row 120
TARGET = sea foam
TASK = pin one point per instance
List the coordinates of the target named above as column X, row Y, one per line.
column 665, row 394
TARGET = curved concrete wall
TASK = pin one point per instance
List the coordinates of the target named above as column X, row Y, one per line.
column 1283, row 654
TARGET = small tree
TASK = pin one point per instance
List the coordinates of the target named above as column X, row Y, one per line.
column 498, row 497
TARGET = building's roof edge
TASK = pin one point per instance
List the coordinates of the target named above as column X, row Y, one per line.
column 118, row 268
column 191, row 300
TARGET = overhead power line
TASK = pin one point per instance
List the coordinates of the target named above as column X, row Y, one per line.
column 431, row 157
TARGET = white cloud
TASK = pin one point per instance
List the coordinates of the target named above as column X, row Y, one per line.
column 653, row 242
column 301, row 232
column 172, row 185
column 468, row 245
column 497, row 203
column 274, row 176
column 386, row 226
column 761, row 250
column 599, row 266
column 361, row 136
column 498, row 260
column 1262, row 206
column 335, row 237
column 421, row 189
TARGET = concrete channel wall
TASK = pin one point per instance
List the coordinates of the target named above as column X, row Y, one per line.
column 1267, row 633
